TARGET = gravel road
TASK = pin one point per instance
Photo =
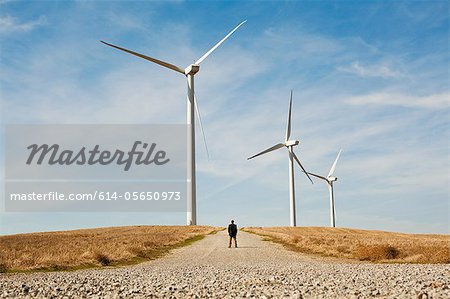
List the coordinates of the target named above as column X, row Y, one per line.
column 256, row 269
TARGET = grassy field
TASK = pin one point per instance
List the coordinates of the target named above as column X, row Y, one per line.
column 363, row 245
column 84, row 248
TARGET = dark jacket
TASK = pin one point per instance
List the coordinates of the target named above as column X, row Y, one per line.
column 232, row 230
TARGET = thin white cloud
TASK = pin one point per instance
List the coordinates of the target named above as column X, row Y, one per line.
column 434, row 101
column 286, row 44
column 126, row 21
column 359, row 40
column 377, row 70
column 9, row 24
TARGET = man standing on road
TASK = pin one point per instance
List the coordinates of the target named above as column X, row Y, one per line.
column 232, row 232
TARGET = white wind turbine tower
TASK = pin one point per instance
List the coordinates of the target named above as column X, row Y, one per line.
column 330, row 179
column 290, row 146
column 189, row 72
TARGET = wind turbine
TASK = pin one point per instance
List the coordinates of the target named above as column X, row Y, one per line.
column 189, row 72
column 289, row 144
column 330, row 179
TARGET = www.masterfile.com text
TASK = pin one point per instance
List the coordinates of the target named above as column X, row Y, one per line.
column 97, row 195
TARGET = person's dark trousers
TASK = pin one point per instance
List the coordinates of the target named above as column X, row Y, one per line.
column 235, row 242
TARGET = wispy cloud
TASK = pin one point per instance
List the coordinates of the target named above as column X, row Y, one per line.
column 9, row 24
column 127, row 21
column 376, row 70
column 5, row 1
column 434, row 101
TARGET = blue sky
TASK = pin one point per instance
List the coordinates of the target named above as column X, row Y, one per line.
column 370, row 77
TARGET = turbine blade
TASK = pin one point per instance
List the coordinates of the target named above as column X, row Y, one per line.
column 275, row 147
column 162, row 63
column 201, row 125
column 317, row 176
column 333, row 168
column 219, row 43
column 301, row 166
column 288, row 127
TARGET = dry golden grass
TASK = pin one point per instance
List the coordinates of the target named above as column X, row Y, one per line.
column 93, row 247
column 364, row 245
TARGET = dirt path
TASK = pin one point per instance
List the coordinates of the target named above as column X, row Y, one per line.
column 257, row 268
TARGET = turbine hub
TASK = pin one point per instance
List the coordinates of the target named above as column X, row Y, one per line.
column 291, row 142
column 332, row 179
column 192, row 69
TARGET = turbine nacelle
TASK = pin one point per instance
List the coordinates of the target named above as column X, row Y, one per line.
column 192, row 69
column 332, row 179
column 291, row 143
